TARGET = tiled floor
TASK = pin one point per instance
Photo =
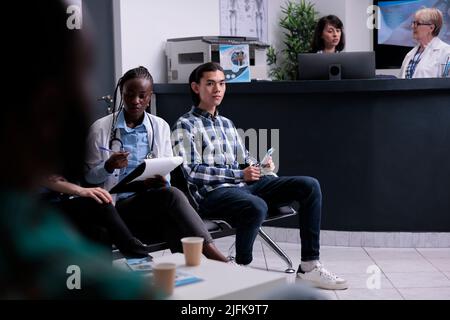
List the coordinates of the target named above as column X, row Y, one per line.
column 404, row 273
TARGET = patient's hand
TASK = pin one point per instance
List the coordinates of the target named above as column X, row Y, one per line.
column 98, row 194
column 252, row 173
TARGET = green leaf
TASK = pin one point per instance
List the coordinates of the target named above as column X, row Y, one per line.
column 298, row 22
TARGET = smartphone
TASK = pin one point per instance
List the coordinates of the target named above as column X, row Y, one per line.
column 267, row 156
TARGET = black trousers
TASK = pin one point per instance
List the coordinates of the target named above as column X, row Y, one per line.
column 101, row 223
column 162, row 214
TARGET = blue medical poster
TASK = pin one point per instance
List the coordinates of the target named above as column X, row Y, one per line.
column 235, row 62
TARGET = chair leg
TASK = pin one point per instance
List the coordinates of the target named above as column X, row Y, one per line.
column 276, row 248
column 231, row 251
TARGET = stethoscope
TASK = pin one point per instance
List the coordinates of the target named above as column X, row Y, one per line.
column 149, row 155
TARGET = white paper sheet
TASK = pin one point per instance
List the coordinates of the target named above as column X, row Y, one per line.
column 159, row 166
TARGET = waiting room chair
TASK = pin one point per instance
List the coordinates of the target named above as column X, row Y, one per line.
column 220, row 228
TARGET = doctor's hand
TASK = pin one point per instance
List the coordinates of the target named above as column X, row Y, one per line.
column 252, row 173
column 117, row 160
column 156, row 182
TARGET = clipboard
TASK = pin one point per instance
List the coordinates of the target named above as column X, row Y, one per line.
column 149, row 168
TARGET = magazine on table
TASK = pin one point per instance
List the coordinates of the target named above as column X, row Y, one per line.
column 182, row 278
column 140, row 264
column 144, row 265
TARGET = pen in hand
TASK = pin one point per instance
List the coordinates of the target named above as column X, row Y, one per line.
column 120, row 154
column 109, row 150
column 117, row 159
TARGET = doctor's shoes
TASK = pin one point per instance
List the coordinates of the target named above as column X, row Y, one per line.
column 320, row 277
column 134, row 248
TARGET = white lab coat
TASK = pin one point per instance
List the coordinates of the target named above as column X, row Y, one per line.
column 436, row 53
column 99, row 135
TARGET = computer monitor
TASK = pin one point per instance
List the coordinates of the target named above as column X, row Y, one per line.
column 336, row 66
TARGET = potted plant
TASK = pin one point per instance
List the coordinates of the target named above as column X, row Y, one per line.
column 299, row 20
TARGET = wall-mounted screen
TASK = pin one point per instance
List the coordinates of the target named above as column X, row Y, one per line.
column 394, row 39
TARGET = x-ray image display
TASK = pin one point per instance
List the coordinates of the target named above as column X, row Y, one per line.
column 396, row 17
column 244, row 18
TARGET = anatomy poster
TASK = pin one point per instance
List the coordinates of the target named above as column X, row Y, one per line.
column 244, row 18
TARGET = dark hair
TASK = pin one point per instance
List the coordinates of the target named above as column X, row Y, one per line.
column 197, row 74
column 139, row 72
column 317, row 42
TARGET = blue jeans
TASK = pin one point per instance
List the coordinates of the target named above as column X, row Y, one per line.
column 247, row 207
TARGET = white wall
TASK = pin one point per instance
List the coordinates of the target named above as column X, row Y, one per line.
column 117, row 26
column 145, row 26
column 142, row 27
column 358, row 35
column 326, row 7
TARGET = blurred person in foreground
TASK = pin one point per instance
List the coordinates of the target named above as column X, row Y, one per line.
column 43, row 130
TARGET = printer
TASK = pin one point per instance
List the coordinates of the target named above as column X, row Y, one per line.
column 185, row 54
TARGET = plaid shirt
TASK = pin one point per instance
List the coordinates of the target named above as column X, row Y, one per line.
column 212, row 152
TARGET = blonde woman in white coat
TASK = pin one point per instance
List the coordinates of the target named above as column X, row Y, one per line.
column 424, row 60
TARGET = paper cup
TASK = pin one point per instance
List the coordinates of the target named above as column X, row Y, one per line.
column 164, row 277
column 192, row 248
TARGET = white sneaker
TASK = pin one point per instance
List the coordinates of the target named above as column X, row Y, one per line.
column 234, row 264
column 322, row 278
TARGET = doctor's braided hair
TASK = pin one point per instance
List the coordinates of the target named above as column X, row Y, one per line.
column 139, row 72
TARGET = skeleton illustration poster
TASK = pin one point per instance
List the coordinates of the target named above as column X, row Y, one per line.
column 246, row 18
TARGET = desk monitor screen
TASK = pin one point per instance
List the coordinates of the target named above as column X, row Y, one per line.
column 335, row 66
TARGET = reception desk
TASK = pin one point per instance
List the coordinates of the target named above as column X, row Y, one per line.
column 380, row 148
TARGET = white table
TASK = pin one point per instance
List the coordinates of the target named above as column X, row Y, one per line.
column 223, row 281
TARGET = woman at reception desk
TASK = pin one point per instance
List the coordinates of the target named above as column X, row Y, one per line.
column 430, row 57
column 328, row 36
